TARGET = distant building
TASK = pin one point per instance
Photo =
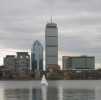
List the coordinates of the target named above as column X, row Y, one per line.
column 53, row 68
column 51, row 47
column 37, row 56
column 10, row 62
column 22, row 62
column 78, row 62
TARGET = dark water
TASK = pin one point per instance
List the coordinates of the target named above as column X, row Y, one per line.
column 57, row 90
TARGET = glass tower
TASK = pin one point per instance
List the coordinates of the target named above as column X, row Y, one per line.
column 37, row 56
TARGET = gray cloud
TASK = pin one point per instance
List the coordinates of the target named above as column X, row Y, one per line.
column 79, row 22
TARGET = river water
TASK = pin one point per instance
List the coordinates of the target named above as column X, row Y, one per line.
column 57, row 90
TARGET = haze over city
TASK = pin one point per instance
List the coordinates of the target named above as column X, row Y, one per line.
column 79, row 23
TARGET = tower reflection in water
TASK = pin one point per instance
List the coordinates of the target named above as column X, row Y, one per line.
column 36, row 94
column 50, row 93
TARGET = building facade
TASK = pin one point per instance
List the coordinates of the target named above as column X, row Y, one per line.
column 22, row 62
column 78, row 62
column 9, row 63
column 51, row 47
column 37, row 56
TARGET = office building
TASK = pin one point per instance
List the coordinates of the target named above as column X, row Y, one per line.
column 22, row 62
column 51, row 47
column 9, row 63
column 37, row 56
column 78, row 62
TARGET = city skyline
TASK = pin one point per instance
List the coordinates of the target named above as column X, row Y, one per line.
column 21, row 22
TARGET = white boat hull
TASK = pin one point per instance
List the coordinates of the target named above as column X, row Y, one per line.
column 44, row 81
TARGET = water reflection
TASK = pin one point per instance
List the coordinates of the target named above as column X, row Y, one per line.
column 36, row 94
column 44, row 92
column 79, row 94
column 50, row 93
column 60, row 93
column 16, row 94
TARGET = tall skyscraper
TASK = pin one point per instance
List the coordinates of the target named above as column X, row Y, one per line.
column 51, row 47
column 37, row 56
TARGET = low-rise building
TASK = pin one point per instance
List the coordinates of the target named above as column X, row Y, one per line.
column 53, row 67
column 78, row 62
column 9, row 63
column 22, row 62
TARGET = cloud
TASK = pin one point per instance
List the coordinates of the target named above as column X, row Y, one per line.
column 79, row 24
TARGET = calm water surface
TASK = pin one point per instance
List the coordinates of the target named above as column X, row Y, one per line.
column 57, row 90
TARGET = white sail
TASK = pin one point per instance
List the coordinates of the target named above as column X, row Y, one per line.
column 44, row 81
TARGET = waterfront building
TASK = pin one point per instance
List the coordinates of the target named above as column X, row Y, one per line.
column 22, row 62
column 9, row 63
column 51, row 44
column 78, row 62
column 37, row 56
column 53, row 68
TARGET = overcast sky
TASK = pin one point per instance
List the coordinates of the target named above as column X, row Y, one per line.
column 79, row 25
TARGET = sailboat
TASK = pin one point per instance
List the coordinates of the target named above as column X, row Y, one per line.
column 44, row 81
